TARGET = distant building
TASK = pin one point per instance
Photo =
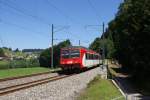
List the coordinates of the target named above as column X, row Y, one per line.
column 5, row 58
column 1, row 58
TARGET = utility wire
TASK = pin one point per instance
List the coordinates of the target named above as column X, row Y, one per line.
column 94, row 9
column 63, row 14
column 69, row 32
column 24, row 28
column 59, row 39
column 60, row 11
column 61, row 28
column 24, row 11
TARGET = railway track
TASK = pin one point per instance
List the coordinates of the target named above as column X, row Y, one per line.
column 10, row 89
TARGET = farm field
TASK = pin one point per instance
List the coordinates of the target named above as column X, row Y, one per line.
column 100, row 89
column 22, row 71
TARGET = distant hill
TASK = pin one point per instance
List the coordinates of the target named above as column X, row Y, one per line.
column 32, row 50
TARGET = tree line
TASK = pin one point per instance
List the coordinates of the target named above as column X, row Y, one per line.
column 127, row 38
column 32, row 50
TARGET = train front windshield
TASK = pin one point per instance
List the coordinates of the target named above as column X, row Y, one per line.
column 70, row 54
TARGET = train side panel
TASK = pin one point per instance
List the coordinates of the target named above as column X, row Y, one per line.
column 89, row 62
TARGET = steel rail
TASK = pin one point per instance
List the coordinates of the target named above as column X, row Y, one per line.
column 11, row 89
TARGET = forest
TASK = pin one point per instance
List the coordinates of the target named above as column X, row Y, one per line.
column 127, row 39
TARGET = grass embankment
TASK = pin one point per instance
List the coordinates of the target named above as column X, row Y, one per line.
column 100, row 89
column 22, row 71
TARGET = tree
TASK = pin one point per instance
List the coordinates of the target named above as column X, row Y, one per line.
column 17, row 50
column 44, row 58
column 130, row 32
column 2, row 53
column 98, row 44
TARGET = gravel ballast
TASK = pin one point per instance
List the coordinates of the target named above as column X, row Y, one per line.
column 64, row 89
column 13, row 82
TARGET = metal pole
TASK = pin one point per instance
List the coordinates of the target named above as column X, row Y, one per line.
column 103, row 54
column 79, row 42
column 52, row 48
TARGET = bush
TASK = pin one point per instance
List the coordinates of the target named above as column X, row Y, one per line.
column 19, row 64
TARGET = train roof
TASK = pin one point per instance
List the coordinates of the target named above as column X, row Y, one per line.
column 78, row 47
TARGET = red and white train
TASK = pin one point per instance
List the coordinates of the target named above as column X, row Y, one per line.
column 78, row 57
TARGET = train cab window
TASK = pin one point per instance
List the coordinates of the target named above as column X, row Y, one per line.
column 65, row 53
column 74, row 53
column 65, row 56
column 70, row 53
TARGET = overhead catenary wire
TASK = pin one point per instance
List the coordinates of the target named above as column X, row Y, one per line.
column 24, row 12
column 74, row 35
column 57, row 39
column 94, row 9
column 60, row 11
column 63, row 14
column 61, row 28
column 96, row 14
column 22, row 27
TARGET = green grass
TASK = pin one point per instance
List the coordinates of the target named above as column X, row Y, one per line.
column 100, row 89
column 21, row 71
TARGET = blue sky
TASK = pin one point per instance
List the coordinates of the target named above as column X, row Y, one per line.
column 27, row 23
